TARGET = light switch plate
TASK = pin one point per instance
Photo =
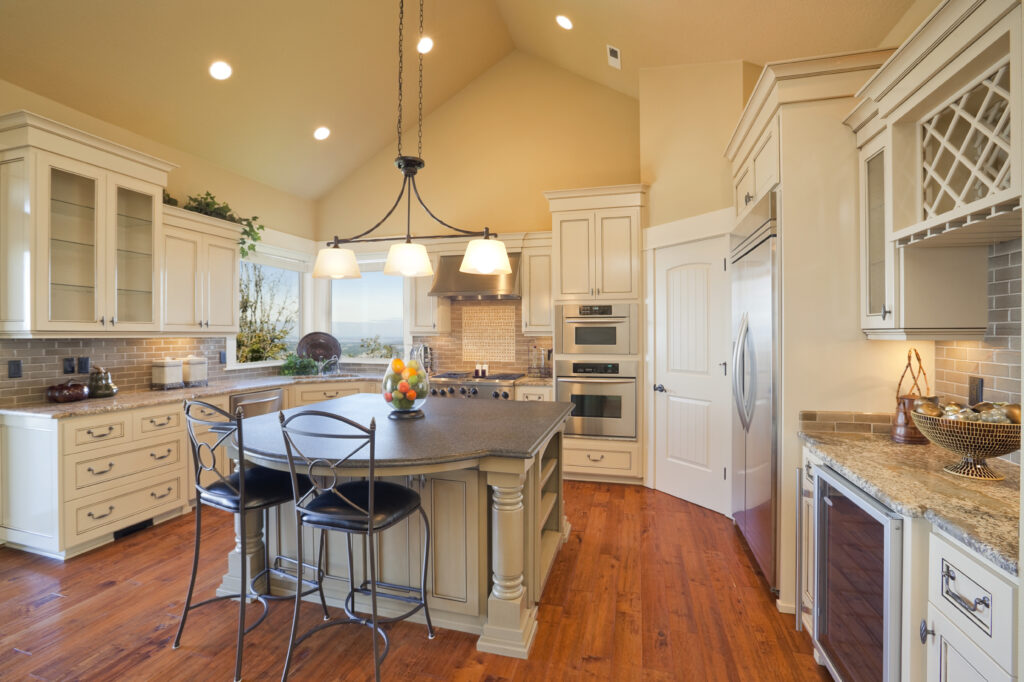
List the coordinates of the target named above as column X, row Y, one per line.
column 69, row 365
column 14, row 369
column 975, row 390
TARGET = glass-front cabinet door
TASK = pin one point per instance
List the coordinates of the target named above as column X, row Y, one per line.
column 70, row 286
column 877, row 253
column 133, row 280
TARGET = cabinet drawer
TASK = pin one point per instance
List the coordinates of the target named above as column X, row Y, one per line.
column 974, row 598
column 90, row 433
column 315, row 395
column 534, row 393
column 164, row 418
column 94, row 517
column 592, row 458
column 87, row 473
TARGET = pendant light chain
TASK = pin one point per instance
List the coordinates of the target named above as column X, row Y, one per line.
column 419, row 132
column 401, row 59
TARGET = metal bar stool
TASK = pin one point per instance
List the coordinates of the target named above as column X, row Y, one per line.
column 256, row 489
column 365, row 507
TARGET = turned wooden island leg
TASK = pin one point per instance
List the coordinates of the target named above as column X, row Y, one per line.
column 511, row 620
column 230, row 583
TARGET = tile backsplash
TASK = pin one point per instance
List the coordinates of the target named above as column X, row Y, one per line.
column 996, row 359
column 484, row 331
column 128, row 361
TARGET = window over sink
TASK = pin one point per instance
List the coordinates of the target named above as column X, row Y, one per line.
column 367, row 314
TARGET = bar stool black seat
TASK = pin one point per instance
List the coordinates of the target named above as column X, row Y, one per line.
column 249, row 488
column 365, row 507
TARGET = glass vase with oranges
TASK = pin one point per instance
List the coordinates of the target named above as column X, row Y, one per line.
column 406, row 385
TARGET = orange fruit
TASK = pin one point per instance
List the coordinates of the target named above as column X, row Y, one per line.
column 397, row 365
column 407, row 371
column 403, row 386
column 410, row 395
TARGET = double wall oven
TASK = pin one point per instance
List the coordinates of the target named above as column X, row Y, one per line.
column 604, row 395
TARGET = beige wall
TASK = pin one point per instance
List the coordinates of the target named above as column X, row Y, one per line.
column 687, row 114
column 276, row 209
column 521, row 128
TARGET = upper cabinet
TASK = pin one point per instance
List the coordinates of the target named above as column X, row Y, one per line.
column 596, row 242
column 200, row 267
column 535, row 277
column 939, row 131
column 758, row 173
column 426, row 315
column 80, row 220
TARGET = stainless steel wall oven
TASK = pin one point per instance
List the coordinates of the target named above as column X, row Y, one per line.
column 601, row 329
column 603, row 395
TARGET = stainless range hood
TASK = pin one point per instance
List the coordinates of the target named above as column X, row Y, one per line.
column 450, row 283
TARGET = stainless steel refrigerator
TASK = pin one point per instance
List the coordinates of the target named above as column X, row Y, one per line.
column 755, row 324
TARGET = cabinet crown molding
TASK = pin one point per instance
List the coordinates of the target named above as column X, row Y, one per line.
column 612, row 196
column 26, row 119
column 772, row 88
column 179, row 217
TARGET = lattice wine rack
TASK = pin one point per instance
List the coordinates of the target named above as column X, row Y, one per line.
column 966, row 146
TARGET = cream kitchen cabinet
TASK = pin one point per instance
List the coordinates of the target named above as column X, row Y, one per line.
column 542, row 393
column 598, row 459
column 954, row 657
column 535, row 276
column 70, row 484
column 757, row 174
column 596, row 242
column 80, row 224
column 310, row 393
column 200, row 271
column 426, row 315
column 939, row 129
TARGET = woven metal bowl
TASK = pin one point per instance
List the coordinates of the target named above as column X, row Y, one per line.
column 973, row 441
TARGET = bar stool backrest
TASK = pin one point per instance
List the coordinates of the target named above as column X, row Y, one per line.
column 208, row 453
column 331, row 440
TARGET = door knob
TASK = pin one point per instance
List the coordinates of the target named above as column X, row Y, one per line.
column 660, row 388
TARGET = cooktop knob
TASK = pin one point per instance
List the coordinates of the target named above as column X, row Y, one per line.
column 472, row 391
column 443, row 393
column 462, row 390
column 495, row 395
column 504, row 395
column 433, row 391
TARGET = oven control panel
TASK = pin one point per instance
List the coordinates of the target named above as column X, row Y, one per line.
column 595, row 310
column 595, row 368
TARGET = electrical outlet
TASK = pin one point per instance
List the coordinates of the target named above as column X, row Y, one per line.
column 13, row 369
column 69, row 365
column 83, row 365
column 223, row 357
column 975, row 390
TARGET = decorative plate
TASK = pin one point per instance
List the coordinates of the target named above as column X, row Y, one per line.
column 319, row 346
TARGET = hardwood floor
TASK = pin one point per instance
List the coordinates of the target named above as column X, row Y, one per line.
column 647, row 587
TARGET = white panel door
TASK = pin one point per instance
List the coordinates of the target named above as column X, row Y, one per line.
column 693, row 443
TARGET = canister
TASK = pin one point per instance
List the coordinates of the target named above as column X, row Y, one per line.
column 194, row 371
column 167, row 374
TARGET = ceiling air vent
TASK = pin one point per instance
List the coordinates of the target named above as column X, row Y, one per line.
column 614, row 60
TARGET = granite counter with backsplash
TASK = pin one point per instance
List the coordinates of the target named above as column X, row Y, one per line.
column 909, row 479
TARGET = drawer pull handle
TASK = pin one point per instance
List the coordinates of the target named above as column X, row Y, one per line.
column 591, row 457
column 207, row 413
column 110, row 430
column 160, row 497
column 948, row 575
column 332, row 395
column 165, row 422
column 110, row 510
column 159, row 457
column 110, row 465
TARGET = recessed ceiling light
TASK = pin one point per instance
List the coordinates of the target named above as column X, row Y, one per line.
column 564, row 22
column 220, row 70
column 322, row 133
column 425, row 45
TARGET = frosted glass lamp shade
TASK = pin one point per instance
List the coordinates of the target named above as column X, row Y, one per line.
column 408, row 260
column 336, row 263
column 486, row 257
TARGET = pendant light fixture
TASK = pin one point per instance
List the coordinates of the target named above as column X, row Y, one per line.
column 484, row 256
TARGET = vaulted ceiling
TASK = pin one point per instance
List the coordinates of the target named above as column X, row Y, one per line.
column 142, row 65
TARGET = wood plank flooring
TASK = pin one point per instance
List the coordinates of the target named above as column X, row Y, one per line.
column 647, row 588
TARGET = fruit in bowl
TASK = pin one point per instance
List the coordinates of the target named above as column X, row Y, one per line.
column 405, row 384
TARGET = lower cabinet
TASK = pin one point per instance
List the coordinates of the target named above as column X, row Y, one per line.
column 69, row 484
column 309, row 393
column 954, row 657
column 807, row 550
column 600, row 459
column 542, row 393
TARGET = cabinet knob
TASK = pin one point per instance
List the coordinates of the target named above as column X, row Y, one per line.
column 925, row 631
column 747, row 198
column 113, row 321
column 103, row 320
column 886, row 312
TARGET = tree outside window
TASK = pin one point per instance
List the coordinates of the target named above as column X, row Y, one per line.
column 269, row 309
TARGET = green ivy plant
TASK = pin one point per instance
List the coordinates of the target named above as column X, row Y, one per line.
column 207, row 204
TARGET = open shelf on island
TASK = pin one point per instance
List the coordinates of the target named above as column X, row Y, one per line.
column 549, row 468
column 549, row 542
column 548, row 502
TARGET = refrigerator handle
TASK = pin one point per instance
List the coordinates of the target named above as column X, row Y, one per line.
column 750, row 358
column 738, row 370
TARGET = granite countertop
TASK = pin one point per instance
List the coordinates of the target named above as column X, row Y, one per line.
column 450, row 431
column 127, row 401
column 909, row 479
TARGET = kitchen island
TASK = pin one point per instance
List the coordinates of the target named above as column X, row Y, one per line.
column 490, row 476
